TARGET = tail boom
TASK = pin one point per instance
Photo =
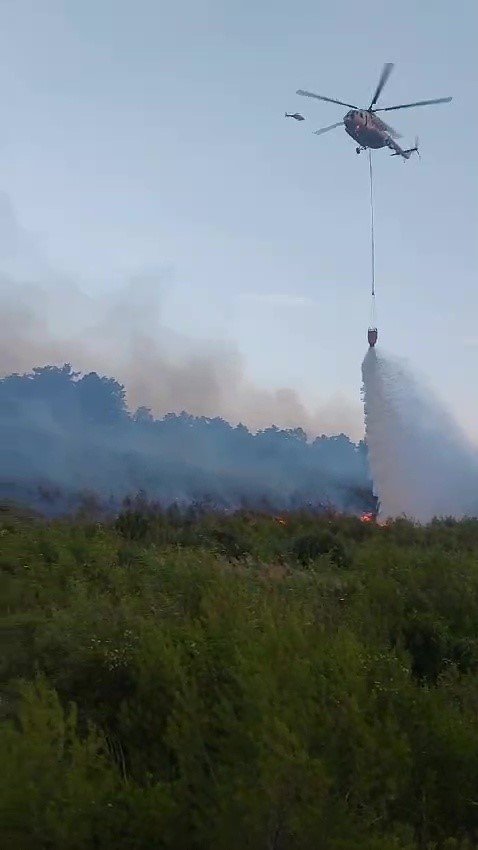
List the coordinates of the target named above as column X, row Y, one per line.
column 398, row 151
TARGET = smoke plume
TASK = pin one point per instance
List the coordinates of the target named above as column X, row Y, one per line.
column 422, row 465
column 48, row 319
column 65, row 431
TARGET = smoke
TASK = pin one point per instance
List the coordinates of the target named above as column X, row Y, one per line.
column 47, row 319
column 62, row 436
column 64, row 432
column 422, row 465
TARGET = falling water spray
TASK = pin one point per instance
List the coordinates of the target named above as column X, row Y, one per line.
column 422, row 465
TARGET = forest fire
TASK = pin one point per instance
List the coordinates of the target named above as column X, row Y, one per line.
column 367, row 517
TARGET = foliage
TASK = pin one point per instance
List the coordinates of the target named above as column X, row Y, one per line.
column 62, row 434
column 309, row 546
column 206, row 681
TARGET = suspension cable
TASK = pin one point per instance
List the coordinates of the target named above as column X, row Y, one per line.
column 372, row 236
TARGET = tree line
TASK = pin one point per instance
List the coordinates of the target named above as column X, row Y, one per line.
column 69, row 433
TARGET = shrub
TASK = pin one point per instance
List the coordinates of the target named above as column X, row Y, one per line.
column 310, row 546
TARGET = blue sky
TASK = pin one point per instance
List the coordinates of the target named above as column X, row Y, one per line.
column 149, row 136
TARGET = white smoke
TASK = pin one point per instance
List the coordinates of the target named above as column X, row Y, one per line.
column 45, row 319
column 422, row 465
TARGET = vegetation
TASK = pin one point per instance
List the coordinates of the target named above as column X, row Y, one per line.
column 205, row 681
column 62, row 434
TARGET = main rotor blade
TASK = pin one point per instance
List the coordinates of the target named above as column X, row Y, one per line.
column 326, row 129
column 393, row 133
column 321, row 97
column 418, row 103
column 387, row 70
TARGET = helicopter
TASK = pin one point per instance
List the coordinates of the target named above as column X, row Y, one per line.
column 364, row 125
column 296, row 115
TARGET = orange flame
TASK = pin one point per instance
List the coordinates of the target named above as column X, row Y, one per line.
column 368, row 517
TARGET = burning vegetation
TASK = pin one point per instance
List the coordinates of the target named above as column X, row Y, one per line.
column 369, row 516
column 65, row 438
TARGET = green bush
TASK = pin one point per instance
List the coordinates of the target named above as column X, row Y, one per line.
column 197, row 683
column 308, row 547
column 133, row 524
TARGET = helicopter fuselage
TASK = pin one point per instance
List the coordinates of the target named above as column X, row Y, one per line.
column 366, row 128
column 364, row 125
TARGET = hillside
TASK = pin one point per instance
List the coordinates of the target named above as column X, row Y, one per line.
column 246, row 681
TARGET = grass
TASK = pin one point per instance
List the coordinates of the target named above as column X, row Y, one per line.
column 223, row 682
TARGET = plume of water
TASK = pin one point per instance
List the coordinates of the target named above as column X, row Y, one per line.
column 422, row 465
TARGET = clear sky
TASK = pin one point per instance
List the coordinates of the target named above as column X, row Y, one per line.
column 150, row 135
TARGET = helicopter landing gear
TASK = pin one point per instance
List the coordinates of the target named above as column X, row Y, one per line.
column 359, row 150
